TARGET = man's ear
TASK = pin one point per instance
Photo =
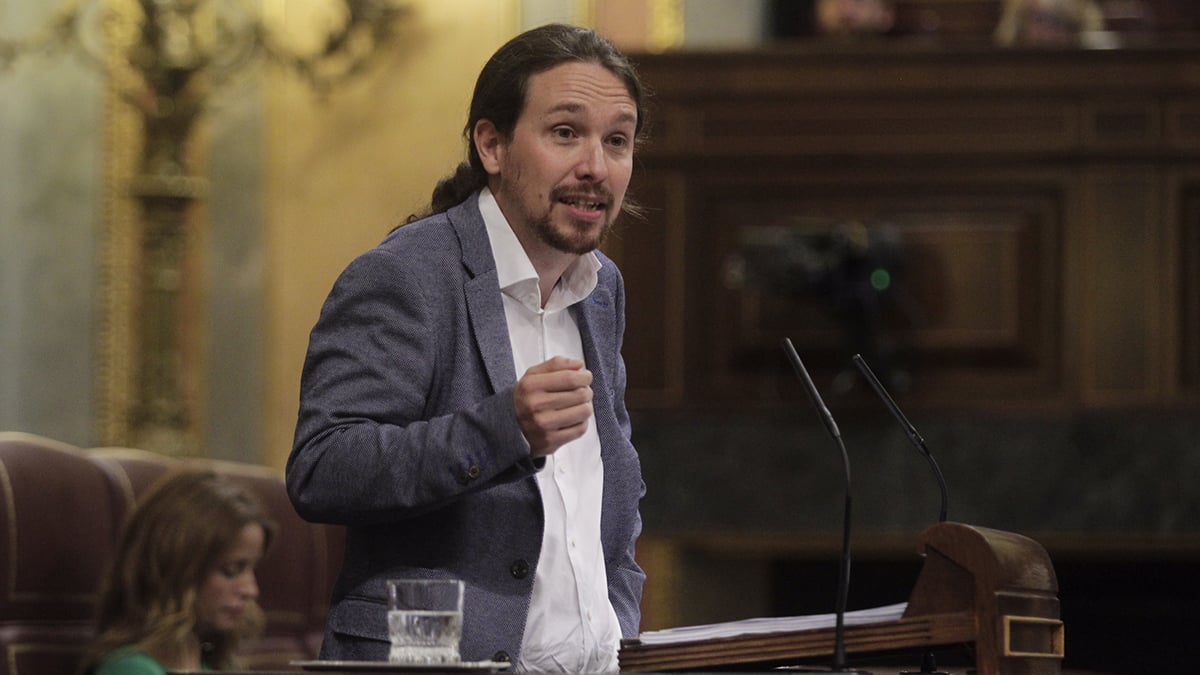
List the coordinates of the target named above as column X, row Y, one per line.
column 489, row 143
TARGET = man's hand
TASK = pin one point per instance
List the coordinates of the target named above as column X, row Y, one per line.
column 553, row 402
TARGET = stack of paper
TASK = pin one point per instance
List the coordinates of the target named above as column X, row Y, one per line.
column 782, row 624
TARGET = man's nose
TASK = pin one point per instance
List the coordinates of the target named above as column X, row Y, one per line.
column 593, row 162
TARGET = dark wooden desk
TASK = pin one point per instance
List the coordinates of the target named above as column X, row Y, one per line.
column 994, row 590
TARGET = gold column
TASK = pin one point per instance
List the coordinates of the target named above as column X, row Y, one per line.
column 114, row 346
column 156, row 92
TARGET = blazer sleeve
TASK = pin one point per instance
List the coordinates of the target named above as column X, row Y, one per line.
column 371, row 446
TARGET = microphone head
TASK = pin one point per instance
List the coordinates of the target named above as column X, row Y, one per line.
column 909, row 430
column 813, row 394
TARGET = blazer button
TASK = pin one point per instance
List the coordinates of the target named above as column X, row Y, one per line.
column 501, row 657
column 472, row 472
column 519, row 569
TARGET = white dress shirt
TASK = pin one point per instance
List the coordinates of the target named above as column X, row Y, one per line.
column 572, row 626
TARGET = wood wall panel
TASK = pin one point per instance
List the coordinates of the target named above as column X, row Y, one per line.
column 1048, row 256
column 979, row 259
column 1183, row 123
column 1188, row 307
column 1114, row 124
column 1122, row 309
column 977, row 286
column 883, row 125
column 650, row 253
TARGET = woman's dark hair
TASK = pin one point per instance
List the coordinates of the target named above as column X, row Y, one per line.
column 503, row 83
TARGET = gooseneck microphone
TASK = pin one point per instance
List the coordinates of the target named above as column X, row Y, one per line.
column 839, row 635
column 928, row 662
column 909, row 429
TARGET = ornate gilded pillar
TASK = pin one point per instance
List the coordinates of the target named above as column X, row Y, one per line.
column 164, row 59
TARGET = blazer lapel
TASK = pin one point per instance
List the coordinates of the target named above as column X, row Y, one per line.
column 594, row 315
column 485, row 308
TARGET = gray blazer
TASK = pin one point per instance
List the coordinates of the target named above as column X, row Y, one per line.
column 406, row 435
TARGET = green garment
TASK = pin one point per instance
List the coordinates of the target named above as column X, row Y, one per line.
column 125, row 662
column 128, row 662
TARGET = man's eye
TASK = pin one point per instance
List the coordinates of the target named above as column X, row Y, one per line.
column 564, row 132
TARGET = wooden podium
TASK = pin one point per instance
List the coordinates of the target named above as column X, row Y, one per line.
column 991, row 590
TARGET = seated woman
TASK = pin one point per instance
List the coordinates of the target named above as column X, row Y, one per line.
column 181, row 593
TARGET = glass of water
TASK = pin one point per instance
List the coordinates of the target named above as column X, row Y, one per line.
column 425, row 620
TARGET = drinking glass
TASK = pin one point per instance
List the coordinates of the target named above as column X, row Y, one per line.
column 425, row 620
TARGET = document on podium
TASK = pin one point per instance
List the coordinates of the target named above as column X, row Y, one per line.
column 768, row 625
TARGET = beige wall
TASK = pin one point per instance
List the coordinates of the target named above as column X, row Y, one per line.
column 341, row 172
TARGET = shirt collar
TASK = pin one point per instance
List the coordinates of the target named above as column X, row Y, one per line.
column 516, row 273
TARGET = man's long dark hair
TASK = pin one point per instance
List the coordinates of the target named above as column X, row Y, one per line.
column 502, row 86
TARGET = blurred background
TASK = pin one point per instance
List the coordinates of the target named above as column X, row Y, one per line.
column 996, row 203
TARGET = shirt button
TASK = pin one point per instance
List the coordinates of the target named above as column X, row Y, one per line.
column 519, row 569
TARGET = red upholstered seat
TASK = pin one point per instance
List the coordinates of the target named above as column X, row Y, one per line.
column 61, row 514
column 62, row 508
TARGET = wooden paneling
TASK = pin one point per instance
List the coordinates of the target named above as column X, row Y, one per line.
column 1183, row 123
column 976, row 284
column 1042, row 209
column 651, row 252
column 1122, row 312
column 1188, row 306
column 885, row 126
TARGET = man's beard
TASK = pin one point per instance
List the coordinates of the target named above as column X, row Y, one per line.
column 563, row 241
column 576, row 238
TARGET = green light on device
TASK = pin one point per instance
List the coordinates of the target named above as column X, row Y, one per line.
column 881, row 279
